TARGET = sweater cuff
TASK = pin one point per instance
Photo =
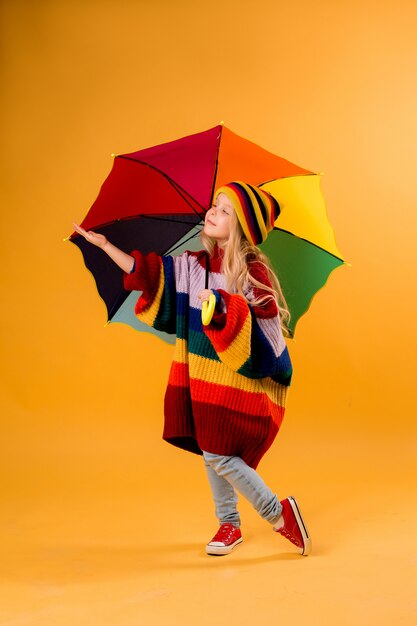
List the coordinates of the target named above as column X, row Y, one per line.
column 145, row 277
column 133, row 281
column 226, row 326
column 218, row 298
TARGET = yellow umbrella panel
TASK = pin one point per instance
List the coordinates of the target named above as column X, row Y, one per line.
column 302, row 246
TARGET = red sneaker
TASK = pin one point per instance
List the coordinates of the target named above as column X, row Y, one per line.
column 292, row 526
column 226, row 538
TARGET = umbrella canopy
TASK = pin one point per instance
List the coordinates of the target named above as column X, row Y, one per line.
column 155, row 200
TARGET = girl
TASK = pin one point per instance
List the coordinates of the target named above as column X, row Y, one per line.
column 228, row 382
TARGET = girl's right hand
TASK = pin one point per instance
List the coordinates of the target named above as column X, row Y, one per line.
column 96, row 239
column 126, row 262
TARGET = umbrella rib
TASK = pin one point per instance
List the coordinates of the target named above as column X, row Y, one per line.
column 175, row 185
column 134, row 217
column 213, row 186
column 171, row 250
column 182, row 191
column 311, row 243
column 272, row 180
column 165, row 219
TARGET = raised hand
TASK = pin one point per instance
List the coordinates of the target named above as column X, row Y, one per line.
column 96, row 239
column 123, row 260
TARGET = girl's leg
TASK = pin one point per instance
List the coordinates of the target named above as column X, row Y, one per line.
column 242, row 478
column 224, row 496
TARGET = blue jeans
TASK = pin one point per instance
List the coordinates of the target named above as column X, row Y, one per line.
column 228, row 474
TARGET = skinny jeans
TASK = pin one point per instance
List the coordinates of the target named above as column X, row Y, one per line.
column 230, row 474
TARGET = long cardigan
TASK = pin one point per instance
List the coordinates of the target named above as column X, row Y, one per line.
column 228, row 381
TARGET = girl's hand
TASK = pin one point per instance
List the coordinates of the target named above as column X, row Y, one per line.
column 95, row 238
column 126, row 262
column 205, row 295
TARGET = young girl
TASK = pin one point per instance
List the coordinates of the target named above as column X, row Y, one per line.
column 228, row 382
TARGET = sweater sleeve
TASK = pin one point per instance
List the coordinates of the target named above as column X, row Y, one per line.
column 249, row 339
column 153, row 275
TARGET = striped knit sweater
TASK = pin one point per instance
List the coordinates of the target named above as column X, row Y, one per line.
column 228, row 380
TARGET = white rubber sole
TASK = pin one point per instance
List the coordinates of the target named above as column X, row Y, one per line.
column 302, row 525
column 222, row 550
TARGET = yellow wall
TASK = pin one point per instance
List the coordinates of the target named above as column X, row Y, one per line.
column 100, row 520
column 328, row 85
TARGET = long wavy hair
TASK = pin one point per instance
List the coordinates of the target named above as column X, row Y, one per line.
column 237, row 253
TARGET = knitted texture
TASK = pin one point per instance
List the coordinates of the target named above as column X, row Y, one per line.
column 228, row 381
column 255, row 208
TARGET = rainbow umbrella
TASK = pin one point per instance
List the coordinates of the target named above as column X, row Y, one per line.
column 155, row 200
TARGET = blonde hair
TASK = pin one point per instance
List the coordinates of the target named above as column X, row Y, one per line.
column 235, row 266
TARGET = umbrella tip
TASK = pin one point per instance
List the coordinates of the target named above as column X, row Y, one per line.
column 106, row 324
column 66, row 238
column 348, row 264
column 113, row 154
column 221, row 123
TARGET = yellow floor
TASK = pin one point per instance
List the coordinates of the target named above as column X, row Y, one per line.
column 87, row 541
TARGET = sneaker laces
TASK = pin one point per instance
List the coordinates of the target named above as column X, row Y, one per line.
column 224, row 533
column 288, row 535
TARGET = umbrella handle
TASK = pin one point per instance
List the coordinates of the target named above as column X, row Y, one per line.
column 208, row 310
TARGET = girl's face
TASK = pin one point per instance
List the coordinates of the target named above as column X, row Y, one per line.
column 219, row 219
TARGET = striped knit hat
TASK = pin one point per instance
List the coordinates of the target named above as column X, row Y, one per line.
column 256, row 209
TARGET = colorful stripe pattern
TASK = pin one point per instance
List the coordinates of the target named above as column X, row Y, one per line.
column 228, row 381
column 256, row 209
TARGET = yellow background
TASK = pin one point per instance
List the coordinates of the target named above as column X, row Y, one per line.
column 101, row 521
